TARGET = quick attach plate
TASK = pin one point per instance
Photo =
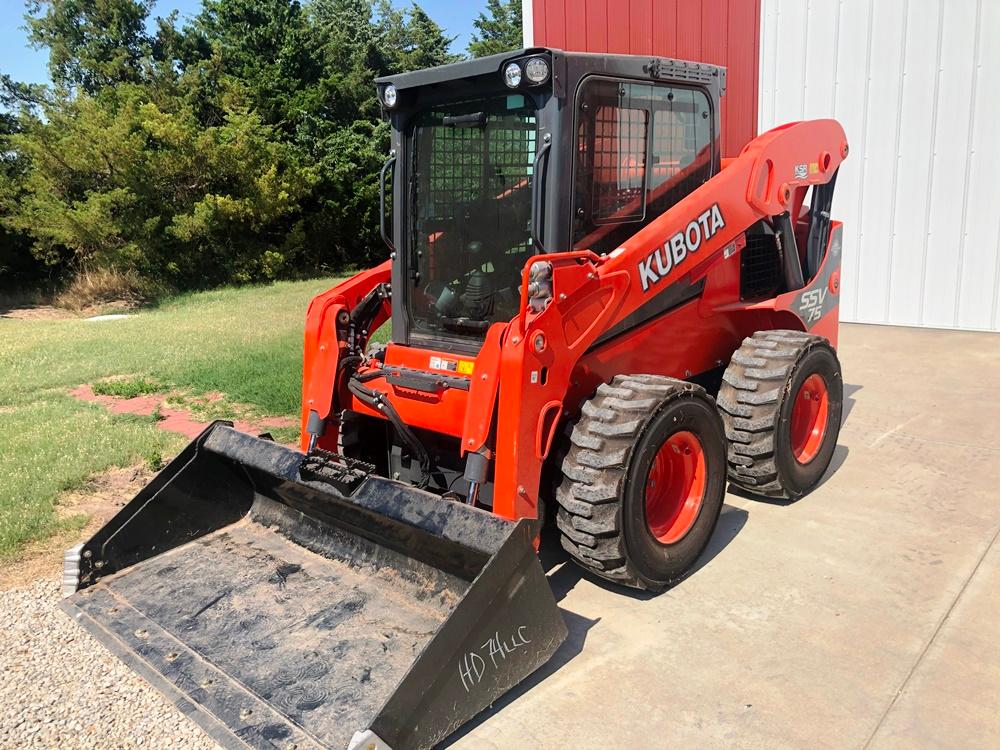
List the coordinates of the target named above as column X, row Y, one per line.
column 340, row 472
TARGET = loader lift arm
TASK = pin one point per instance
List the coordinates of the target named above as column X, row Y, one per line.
column 339, row 323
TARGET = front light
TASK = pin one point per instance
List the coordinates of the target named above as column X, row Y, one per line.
column 389, row 96
column 512, row 75
column 536, row 70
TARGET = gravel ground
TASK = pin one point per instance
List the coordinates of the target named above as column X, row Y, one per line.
column 59, row 688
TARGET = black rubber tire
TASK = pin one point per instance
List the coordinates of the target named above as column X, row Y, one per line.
column 601, row 497
column 756, row 400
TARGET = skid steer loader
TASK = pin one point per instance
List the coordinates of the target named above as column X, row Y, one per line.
column 594, row 319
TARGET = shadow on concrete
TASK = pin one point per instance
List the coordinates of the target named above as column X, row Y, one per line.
column 730, row 524
column 837, row 460
column 564, row 579
column 564, row 575
column 849, row 401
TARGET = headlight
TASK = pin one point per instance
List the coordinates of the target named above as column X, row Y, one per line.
column 512, row 75
column 389, row 96
column 536, row 70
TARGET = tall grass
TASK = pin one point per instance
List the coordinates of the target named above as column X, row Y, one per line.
column 244, row 342
column 102, row 287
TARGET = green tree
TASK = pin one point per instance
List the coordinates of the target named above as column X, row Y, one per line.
column 426, row 44
column 142, row 186
column 411, row 39
column 267, row 45
column 242, row 145
column 499, row 29
column 92, row 43
column 343, row 132
column 18, row 267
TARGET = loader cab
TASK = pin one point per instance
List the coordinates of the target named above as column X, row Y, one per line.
column 498, row 159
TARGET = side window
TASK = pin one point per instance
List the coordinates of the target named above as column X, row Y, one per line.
column 681, row 129
column 617, row 147
column 640, row 149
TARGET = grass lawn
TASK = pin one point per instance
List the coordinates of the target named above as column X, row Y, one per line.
column 246, row 343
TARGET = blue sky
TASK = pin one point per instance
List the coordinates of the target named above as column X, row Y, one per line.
column 23, row 63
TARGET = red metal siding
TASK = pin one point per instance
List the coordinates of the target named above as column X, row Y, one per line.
column 722, row 32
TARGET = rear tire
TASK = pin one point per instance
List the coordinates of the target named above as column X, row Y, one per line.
column 643, row 481
column 781, row 401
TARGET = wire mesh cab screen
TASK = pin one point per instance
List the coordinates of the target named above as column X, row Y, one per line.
column 470, row 209
column 641, row 147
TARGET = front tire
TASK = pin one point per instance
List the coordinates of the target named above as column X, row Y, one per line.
column 644, row 480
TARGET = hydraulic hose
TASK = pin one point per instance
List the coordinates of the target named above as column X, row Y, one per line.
column 377, row 401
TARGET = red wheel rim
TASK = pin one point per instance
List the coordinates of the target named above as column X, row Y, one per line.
column 809, row 414
column 675, row 487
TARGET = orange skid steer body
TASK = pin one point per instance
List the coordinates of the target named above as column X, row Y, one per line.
column 596, row 321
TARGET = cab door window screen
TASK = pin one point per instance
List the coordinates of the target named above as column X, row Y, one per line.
column 618, row 164
column 640, row 149
column 469, row 213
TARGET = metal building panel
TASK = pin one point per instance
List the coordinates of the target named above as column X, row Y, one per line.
column 742, row 74
column 902, row 301
column 882, row 143
column 597, row 33
column 550, row 23
column 978, row 292
column 822, row 41
column 688, row 25
column 664, row 25
column 618, row 33
column 640, row 31
column 851, row 106
column 575, row 20
column 956, row 108
column 913, row 82
column 722, row 32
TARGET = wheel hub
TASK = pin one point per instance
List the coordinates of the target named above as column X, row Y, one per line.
column 809, row 417
column 675, row 487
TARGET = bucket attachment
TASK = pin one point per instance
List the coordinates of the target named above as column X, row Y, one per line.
column 284, row 601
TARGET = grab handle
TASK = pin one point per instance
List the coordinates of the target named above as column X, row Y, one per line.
column 381, row 200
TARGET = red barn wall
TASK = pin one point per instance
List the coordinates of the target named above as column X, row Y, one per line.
column 721, row 32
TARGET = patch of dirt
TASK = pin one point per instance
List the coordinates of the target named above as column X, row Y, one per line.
column 171, row 418
column 98, row 499
column 102, row 495
column 38, row 312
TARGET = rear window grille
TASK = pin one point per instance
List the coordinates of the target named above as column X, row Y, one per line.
column 760, row 267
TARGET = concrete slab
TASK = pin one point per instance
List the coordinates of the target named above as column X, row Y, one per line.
column 866, row 614
column 952, row 697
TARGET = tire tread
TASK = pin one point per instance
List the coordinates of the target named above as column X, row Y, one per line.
column 595, row 467
column 750, row 402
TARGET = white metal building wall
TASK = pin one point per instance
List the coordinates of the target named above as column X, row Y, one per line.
column 916, row 84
